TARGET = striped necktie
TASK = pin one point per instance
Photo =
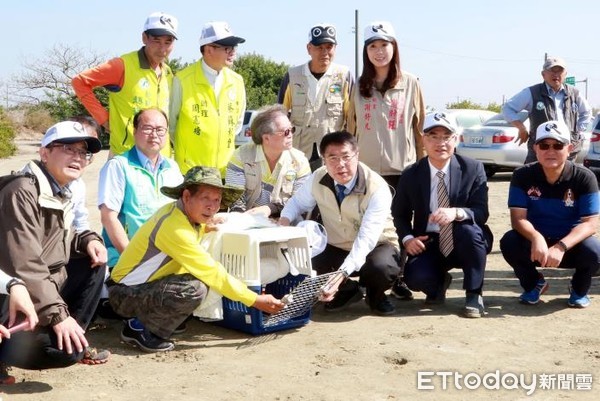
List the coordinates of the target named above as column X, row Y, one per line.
column 446, row 240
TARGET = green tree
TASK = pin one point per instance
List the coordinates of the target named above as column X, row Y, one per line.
column 467, row 104
column 262, row 78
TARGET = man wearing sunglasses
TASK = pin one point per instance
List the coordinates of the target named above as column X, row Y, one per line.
column 269, row 169
column 208, row 102
column 317, row 93
column 37, row 234
column 554, row 207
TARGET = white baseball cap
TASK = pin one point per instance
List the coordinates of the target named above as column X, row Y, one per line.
column 70, row 132
column 554, row 62
column 553, row 130
column 379, row 30
column 161, row 24
column 220, row 33
column 438, row 119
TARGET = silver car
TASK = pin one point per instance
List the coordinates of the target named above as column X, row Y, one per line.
column 494, row 144
column 592, row 158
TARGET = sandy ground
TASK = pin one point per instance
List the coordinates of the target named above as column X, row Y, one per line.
column 355, row 355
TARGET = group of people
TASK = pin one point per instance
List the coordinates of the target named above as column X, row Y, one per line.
column 399, row 207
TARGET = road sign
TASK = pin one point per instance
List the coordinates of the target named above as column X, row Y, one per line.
column 570, row 80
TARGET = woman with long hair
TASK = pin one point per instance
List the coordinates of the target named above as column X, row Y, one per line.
column 386, row 110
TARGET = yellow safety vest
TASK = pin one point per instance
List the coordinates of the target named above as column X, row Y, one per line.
column 141, row 89
column 205, row 132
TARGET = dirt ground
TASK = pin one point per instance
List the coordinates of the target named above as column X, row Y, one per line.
column 553, row 352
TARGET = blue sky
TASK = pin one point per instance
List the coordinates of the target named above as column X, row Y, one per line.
column 463, row 49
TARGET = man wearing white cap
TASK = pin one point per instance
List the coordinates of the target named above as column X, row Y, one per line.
column 549, row 100
column 208, row 102
column 137, row 80
column 316, row 93
column 37, row 236
column 440, row 212
column 554, row 206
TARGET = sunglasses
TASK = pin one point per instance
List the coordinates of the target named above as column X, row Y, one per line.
column 287, row 132
column 555, row 146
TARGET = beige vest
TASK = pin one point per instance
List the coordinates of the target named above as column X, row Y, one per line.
column 342, row 223
column 317, row 111
column 389, row 128
column 290, row 164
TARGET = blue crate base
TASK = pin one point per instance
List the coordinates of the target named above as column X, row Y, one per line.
column 238, row 316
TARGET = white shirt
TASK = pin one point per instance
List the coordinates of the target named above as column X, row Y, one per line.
column 371, row 226
column 81, row 221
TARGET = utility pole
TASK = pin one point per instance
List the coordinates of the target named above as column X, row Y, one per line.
column 356, row 42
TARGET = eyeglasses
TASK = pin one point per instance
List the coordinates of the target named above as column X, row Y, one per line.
column 555, row 146
column 337, row 159
column 149, row 130
column 440, row 139
column 286, row 132
column 227, row 49
column 73, row 151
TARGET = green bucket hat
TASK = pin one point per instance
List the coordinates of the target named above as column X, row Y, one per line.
column 201, row 175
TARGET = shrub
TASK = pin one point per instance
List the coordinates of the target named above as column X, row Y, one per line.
column 7, row 136
column 37, row 119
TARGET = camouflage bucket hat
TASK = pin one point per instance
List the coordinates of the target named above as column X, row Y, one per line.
column 207, row 176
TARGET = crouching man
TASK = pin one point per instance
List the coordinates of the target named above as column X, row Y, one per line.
column 164, row 274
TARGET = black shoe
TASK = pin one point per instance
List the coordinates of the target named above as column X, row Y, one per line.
column 144, row 339
column 440, row 296
column 182, row 328
column 400, row 291
column 343, row 299
column 383, row 308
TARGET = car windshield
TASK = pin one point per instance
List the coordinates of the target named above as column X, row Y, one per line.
column 468, row 121
column 499, row 121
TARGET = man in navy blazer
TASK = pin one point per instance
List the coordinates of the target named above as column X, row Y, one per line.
column 440, row 210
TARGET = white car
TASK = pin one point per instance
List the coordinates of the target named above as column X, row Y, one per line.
column 494, row 144
column 244, row 135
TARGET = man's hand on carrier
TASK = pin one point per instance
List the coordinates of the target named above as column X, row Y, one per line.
column 330, row 288
column 268, row 303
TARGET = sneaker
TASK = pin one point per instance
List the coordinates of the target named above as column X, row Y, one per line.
column 343, row 299
column 473, row 306
column 440, row 296
column 578, row 301
column 5, row 378
column 532, row 297
column 383, row 308
column 401, row 291
column 143, row 338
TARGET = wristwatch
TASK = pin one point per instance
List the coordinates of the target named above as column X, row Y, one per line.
column 562, row 246
column 13, row 281
column 460, row 214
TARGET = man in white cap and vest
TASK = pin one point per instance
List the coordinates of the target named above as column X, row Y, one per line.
column 552, row 99
column 137, row 80
column 316, row 93
column 208, row 102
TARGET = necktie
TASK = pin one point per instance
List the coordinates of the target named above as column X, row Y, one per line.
column 340, row 192
column 446, row 240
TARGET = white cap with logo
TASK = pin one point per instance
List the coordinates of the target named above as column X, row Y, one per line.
column 70, row 132
column 553, row 130
column 439, row 119
column 379, row 30
column 161, row 24
column 220, row 33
